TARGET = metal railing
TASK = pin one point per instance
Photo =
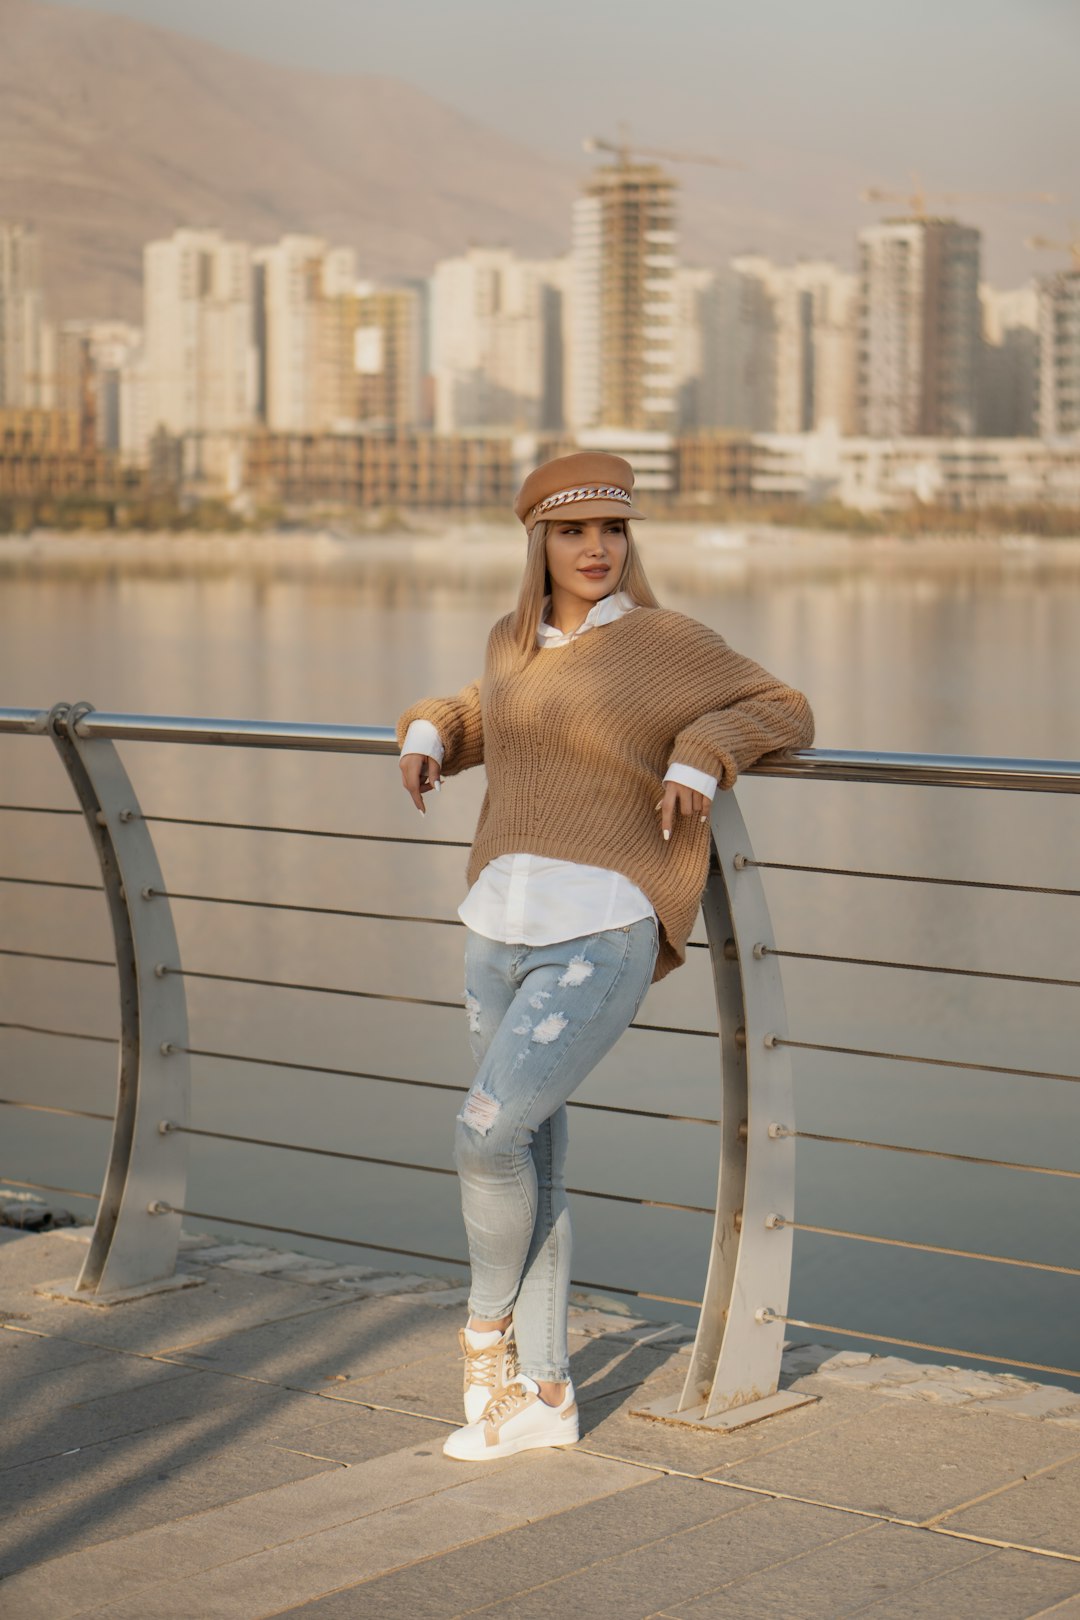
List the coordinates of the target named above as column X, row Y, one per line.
column 735, row 1363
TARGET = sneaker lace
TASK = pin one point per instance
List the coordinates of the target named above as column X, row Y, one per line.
column 506, row 1404
column 482, row 1365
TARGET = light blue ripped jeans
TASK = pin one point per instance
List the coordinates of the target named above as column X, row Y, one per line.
column 540, row 1018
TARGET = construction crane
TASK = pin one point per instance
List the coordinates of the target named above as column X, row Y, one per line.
column 624, row 149
column 1071, row 246
column 916, row 199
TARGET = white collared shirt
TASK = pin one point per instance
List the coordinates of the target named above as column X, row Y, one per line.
column 531, row 899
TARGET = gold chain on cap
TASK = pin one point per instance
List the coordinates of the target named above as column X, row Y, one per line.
column 607, row 492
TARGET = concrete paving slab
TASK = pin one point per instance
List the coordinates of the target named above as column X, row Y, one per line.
column 74, row 1584
column 676, row 1566
column 358, row 1338
column 506, row 1565
column 32, row 1257
column 386, row 1540
column 351, row 1434
column 1042, row 1512
column 908, row 1462
column 25, row 1355
column 226, row 1303
column 119, row 1495
column 834, row 1581
column 48, row 1394
column 1001, row 1586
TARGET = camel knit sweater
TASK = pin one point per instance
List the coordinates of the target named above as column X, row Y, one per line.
column 576, row 743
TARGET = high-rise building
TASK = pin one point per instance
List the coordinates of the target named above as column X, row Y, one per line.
column 623, row 367
column 1059, row 354
column 295, row 282
column 495, row 342
column 24, row 360
column 918, row 328
column 1008, row 362
column 200, row 358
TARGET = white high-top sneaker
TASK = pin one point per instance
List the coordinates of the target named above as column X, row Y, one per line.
column 490, row 1364
column 516, row 1419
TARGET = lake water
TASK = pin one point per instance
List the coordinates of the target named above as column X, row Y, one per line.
column 957, row 647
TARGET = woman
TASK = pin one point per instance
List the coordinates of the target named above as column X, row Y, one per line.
column 605, row 724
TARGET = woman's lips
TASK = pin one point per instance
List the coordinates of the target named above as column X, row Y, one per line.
column 594, row 573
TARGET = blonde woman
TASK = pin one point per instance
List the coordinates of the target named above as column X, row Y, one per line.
column 605, row 724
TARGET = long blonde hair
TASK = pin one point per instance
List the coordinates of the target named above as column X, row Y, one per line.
column 535, row 585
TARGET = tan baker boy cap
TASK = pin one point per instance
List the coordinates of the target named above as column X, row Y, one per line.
column 588, row 484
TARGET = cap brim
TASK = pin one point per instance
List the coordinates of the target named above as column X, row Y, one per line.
column 588, row 509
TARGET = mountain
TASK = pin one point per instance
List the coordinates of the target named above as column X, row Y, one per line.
column 113, row 132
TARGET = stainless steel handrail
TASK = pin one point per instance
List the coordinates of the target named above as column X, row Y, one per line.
column 735, row 1364
column 822, row 764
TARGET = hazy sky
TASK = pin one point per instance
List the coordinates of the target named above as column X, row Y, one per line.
column 976, row 95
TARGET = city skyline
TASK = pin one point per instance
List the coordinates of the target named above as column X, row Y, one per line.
column 819, row 110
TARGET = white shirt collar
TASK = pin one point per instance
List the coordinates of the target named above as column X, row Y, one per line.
column 603, row 612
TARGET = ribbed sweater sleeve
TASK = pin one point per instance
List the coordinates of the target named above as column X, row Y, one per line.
column 746, row 711
column 459, row 724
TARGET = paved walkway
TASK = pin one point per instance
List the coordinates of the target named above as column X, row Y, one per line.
column 268, row 1443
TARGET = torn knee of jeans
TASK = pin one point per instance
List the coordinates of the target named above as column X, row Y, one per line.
column 536, row 1002
column 549, row 1029
column 472, row 1009
column 578, row 969
column 480, row 1110
column 523, row 1028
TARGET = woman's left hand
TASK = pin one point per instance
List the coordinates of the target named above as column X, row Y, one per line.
column 685, row 800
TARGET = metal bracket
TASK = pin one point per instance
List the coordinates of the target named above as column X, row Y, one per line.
column 734, row 1369
column 131, row 1249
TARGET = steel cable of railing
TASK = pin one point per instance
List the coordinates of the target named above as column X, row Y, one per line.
column 914, row 1057
column 926, row 1153
column 50, row 1108
column 919, row 1344
column 378, row 995
column 742, row 861
column 777, row 1221
column 44, row 1186
column 407, row 1164
column 355, row 1074
column 412, row 1254
column 916, row 967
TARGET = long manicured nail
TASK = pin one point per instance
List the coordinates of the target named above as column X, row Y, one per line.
column 704, row 818
column 658, row 804
column 667, row 834
column 438, row 789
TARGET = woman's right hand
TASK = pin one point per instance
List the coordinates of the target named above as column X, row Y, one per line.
column 419, row 774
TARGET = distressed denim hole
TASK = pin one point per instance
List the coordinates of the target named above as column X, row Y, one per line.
column 549, row 1029
column 480, row 1111
column 578, row 970
column 537, row 1001
column 472, row 1009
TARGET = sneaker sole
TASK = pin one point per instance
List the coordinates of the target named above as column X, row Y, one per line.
column 509, row 1448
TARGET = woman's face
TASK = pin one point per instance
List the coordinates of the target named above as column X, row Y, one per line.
column 585, row 556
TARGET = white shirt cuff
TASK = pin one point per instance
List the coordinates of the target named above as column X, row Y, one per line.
column 422, row 738
column 701, row 781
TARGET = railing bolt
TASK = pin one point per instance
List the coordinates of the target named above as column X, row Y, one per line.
column 773, row 1222
column 737, row 1220
column 147, row 893
column 770, row 1041
column 740, row 1036
column 101, row 818
column 731, row 951
column 739, row 862
column 764, row 1314
column 160, row 969
column 777, row 1132
column 760, row 951
column 743, row 1131
column 126, row 816
column 167, row 1125
column 158, row 1208
column 167, row 1048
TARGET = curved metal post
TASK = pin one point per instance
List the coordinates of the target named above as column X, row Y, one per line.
column 735, row 1363
column 133, row 1248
